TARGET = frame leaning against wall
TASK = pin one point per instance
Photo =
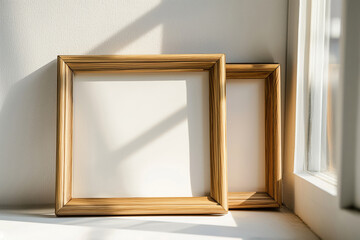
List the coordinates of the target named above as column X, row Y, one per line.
column 272, row 196
column 215, row 203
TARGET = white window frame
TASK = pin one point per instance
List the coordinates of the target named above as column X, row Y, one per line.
column 317, row 81
column 311, row 198
column 313, row 56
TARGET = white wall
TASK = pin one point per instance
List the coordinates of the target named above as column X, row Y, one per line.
column 34, row 33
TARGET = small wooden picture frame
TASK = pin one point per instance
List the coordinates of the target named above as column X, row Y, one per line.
column 271, row 198
column 215, row 203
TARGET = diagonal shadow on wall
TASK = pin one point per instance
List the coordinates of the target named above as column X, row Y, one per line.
column 28, row 113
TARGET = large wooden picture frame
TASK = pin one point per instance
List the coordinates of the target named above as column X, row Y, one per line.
column 272, row 197
column 215, row 203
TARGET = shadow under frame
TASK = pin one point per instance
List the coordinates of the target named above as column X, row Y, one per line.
column 271, row 198
column 215, row 203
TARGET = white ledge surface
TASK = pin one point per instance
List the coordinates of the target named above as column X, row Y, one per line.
column 41, row 223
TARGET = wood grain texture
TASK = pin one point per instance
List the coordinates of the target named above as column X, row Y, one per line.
column 64, row 135
column 119, row 66
column 271, row 74
column 216, row 203
column 217, row 113
column 208, row 201
column 60, row 140
column 141, row 206
column 142, row 58
column 274, row 125
column 138, row 209
column 251, row 200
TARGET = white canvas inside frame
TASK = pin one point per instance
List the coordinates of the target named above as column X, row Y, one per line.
column 245, row 110
column 141, row 135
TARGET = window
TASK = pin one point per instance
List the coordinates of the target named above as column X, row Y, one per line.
column 321, row 70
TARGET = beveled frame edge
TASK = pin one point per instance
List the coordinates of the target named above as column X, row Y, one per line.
column 216, row 203
column 272, row 197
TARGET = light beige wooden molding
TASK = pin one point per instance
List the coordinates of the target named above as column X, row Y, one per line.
column 215, row 203
column 272, row 197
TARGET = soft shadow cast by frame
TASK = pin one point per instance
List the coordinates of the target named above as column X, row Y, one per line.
column 27, row 143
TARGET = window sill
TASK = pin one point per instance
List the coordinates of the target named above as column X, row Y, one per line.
column 318, row 182
column 40, row 223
